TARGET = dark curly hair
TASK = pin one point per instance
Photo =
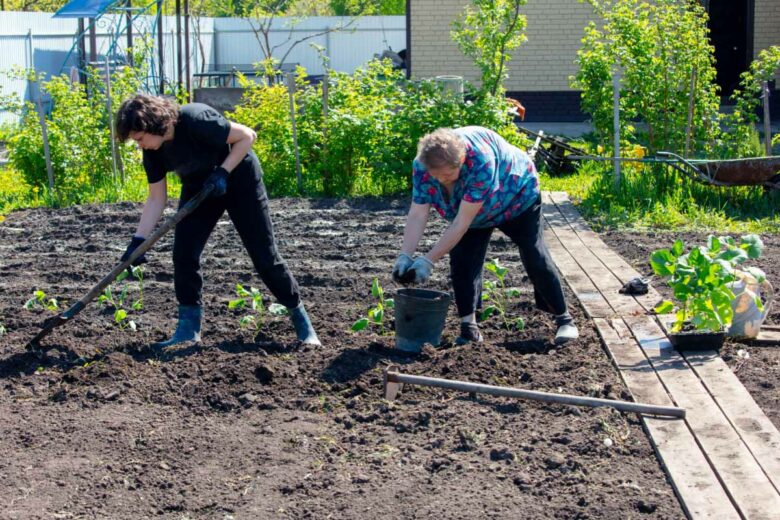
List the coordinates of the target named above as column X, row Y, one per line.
column 151, row 114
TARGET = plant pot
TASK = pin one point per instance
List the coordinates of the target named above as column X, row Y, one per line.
column 419, row 318
column 697, row 340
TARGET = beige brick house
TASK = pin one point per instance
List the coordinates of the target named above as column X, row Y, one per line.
column 539, row 72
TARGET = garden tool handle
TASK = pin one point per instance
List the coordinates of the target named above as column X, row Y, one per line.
column 147, row 244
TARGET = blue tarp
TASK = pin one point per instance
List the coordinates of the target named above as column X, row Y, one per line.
column 83, row 8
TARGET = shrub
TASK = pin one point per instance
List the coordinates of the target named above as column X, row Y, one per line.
column 700, row 279
column 658, row 47
column 79, row 139
column 366, row 144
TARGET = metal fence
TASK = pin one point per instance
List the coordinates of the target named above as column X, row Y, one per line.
column 49, row 45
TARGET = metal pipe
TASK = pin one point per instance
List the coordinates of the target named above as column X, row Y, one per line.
column 291, row 90
column 767, row 124
column 616, row 123
column 187, row 73
column 161, row 65
column 179, row 65
column 393, row 380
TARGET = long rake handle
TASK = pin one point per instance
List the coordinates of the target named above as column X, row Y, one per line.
column 147, row 244
column 394, row 377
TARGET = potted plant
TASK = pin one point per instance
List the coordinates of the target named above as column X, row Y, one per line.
column 702, row 281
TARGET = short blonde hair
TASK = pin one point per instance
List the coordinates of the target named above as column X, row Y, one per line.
column 442, row 148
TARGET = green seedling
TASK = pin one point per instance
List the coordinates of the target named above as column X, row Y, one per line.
column 700, row 280
column 252, row 300
column 498, row 296
column 40, row 301
column 119, row 301
column 2, row 330
column 376, row 314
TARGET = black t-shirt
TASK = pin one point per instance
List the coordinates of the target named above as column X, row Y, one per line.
column 199, row 144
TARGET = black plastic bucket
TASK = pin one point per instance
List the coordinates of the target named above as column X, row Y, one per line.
column 419, row 317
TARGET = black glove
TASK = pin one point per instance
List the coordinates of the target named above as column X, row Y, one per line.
column 635, row 286
column 218, row 181
column 134, row 243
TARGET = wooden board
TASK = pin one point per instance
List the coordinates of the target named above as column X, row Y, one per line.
column 768, row 337
column 601, row 277
column 590, row 298
column 692, row 478
column 753, row 426
column 614, row 262
column 744, row 479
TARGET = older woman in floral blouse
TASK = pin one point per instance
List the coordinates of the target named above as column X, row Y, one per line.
column 478, row 182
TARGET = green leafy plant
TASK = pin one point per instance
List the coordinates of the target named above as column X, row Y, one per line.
column 376, row 314
column 365, row 142
column 118, row 301
column 39, row 300
column 487, row 33
column 78, row 126
column 742, row 136
column 666, row 61
column 252, row 300
column 498, row 296
column 700, row 280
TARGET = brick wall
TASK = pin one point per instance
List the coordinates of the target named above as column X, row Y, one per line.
column 766, row 27
column 544, row 62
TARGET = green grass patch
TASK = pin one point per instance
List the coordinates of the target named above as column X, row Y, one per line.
column 15, row 193
column 659, row 198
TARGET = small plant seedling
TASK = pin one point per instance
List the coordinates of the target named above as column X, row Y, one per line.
column 498, row 296
column 119, row 301
column 2, row 330
column 252, row 300
column 376, row 314
column 40, row 301
column 700, row 280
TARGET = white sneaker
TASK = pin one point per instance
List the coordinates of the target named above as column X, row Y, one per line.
column 566, row 332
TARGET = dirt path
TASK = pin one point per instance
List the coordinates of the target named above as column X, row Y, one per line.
column 104, row 429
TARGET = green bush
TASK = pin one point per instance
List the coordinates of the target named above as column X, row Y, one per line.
column 79, row 140
column 657, row 47
column 366, row 144
column 741, row 139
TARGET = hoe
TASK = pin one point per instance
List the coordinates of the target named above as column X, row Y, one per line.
column 55, row 321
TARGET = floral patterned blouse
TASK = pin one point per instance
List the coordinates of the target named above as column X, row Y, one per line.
column 495, row 173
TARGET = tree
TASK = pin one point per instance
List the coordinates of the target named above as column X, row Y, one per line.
column 663, row 53
column 487, row 33
column 261, row 16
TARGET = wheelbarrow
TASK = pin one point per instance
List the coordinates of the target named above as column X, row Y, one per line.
column 555, row 152
column 749, row 171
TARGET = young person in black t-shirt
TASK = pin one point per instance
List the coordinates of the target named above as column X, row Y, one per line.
column 205, row 149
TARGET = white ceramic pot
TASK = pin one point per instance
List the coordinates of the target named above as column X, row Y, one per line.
column 748, row 318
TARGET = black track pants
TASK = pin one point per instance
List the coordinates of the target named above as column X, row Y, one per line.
column 246, row 202
column 468, row 257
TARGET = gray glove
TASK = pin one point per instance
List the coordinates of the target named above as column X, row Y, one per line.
column 422, row 268
column 400, row 268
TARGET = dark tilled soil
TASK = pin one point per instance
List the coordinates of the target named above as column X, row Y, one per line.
column 103, row 428
column 760, row 373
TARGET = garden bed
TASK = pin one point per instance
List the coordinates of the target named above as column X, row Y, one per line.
column 268, row 430
column 760, row 373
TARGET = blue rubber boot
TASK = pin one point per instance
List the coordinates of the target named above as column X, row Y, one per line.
column 188, row 328
column 303, row 327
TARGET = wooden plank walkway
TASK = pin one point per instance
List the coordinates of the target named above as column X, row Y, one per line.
column 724, row 459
